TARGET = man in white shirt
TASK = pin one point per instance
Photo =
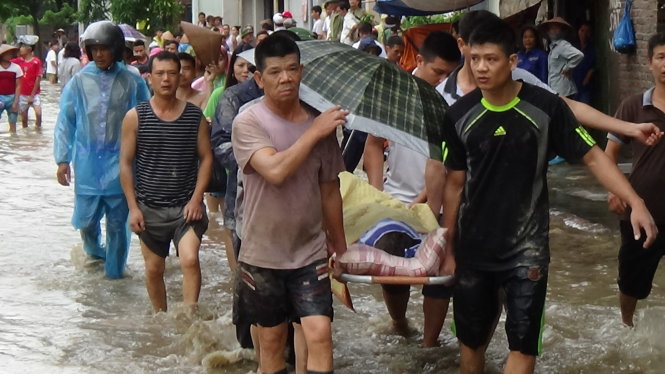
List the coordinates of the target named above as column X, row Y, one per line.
column 317, row 26
column 52, row 62
column 349, row 25
column 405, row 180
column 61, row 56
column 331, row 7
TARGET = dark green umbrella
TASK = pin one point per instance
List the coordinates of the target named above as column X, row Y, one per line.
column 303, row 34
column 384, row 100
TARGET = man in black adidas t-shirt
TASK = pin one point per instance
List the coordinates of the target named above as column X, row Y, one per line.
column 497, row 141
column 165, row 167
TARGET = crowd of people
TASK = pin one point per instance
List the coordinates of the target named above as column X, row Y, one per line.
column 147, row 130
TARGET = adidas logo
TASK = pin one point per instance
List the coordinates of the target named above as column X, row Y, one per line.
column 500, row 131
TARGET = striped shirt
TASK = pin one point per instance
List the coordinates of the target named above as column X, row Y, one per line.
column 166, row 157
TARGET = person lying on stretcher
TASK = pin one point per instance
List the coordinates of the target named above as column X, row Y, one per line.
column 393, row 248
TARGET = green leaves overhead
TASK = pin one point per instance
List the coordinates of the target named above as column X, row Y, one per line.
column 157, row 13
column 93, row 10
column 412, row 21
column 65, row 16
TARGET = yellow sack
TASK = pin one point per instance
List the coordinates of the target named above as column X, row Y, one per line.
column 364, row 206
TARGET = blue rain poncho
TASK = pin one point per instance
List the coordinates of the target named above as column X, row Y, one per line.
column 87, row 132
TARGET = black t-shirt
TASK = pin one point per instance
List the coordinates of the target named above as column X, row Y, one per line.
column 503, row 218
column 648, row 174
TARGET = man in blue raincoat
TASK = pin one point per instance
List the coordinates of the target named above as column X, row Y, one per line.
column 87, row 133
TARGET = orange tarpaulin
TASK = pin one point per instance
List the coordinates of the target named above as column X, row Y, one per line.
column 414, row 38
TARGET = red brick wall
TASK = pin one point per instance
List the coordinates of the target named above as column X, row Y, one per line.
column 633, row 73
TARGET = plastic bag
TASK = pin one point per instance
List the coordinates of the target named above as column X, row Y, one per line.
column 624, row 35
column 28, row 39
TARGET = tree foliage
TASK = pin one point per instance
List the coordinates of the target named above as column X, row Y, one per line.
column 412, row 21
column 12, row 22
column 34, row 9
column 166, row 13
column 64, row 17
column 157, row 13
column 60, row 13
column 93, row 10
column 130, row 11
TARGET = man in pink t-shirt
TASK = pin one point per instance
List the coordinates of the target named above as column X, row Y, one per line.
column 290, row 160
column 30, row 86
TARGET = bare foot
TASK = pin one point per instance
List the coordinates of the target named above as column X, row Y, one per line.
column 401, row 327
column 431, row 344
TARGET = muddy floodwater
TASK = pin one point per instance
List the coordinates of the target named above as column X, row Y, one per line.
column 58, row 314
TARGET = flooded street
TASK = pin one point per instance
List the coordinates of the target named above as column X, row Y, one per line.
column 58, row 313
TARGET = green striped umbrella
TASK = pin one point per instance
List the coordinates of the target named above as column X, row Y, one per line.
column 303, row 34
column 384, row 100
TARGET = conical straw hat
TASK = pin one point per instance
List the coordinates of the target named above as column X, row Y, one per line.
column 4, row 48
column 206, row 43
column 565, row 26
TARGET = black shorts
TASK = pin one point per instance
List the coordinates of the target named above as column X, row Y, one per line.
column 637, row 265
column 163, row 225
column 476, row 303
column 270, row 297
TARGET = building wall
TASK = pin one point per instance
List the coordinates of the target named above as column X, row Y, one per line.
column 632, row 71
column 250, row 12
column 208, row 7
column 606, row 86
column 230, row 10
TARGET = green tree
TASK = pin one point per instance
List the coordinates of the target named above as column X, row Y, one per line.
column 166, row 13
column 129, row 11
column 413, row 21
column 64, row 17
column 35, row 9
column 93, row 10
column 157, row 13
column 11, row 23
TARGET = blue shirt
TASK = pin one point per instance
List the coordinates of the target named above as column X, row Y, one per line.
column 588, row 63
column 533, row 61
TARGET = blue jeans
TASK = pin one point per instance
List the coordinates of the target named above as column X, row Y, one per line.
column 6, row 102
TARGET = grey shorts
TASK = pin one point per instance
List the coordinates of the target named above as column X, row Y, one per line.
column 163, row 225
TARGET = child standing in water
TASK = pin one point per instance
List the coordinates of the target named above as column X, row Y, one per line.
column 30, row 86
column 10, row 84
